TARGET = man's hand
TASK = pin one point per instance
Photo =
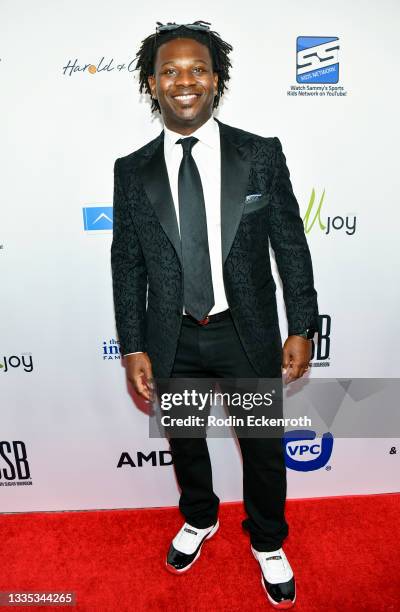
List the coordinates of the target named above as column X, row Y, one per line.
column 296, row 357
column 139, row 372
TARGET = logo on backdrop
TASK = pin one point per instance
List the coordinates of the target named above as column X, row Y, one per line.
column 154, row 458
column 328, row 225
column 104, row 66
column 16, row 362
column 111, row 350
column 14, row 464
column 317, row 59
column 304, row 452
column 320, row 356
column 317, row 67
column 98, row 218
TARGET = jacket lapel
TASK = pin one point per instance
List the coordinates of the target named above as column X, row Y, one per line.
column 156, row 184
column 235, row 170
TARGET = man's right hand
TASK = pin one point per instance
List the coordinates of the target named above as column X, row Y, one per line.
column 139, row 372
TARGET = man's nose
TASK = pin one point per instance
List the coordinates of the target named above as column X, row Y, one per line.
column 185, row 78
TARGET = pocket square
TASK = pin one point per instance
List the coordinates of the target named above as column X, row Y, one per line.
column 255, row 201
column 252, row 197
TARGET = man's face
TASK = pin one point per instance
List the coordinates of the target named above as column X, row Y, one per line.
column 184, row 84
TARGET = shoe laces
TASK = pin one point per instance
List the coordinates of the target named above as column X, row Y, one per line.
column 274, row 564
column 188, row 538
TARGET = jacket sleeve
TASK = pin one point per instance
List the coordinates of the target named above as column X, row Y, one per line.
column 129, row 274
column 292, row 255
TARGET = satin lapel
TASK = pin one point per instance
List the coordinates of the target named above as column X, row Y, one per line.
column 156, row 184
column 235, row 169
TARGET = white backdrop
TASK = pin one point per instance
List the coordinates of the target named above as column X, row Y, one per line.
column 61, row 131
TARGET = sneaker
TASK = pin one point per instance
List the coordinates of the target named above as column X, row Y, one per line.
column 186, row 546
column 277, row 578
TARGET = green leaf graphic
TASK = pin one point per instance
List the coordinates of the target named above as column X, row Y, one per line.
column 307, row 225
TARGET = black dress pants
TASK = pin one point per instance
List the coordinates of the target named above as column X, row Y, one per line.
column 215, row 351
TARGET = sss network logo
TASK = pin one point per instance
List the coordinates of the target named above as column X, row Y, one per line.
column 98, row 218
column 304, row 453
column 317, row 59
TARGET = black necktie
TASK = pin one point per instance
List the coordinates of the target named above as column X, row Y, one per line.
column 197, row 279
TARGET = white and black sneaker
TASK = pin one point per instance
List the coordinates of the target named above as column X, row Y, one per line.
column 186, row 547
column 277, row 578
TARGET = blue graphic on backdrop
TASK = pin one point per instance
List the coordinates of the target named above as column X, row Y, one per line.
column 303, row 453
column 111, row 349
column 98, row 218
column 317, row 59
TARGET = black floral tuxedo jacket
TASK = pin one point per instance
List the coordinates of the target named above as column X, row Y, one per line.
column 257, row 206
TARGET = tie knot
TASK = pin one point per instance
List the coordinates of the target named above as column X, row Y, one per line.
column 187, row 144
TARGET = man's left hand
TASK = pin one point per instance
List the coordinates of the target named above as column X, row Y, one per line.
column 296, row 357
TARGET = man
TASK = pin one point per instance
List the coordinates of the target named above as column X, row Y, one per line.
column 194, row 213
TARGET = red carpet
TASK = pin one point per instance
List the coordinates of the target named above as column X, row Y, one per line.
column 344, row 551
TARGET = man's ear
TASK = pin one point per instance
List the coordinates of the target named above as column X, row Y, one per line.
column 215, row 75
column 152, row 84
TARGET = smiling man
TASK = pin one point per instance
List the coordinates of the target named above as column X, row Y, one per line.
column 195, row 211
column 185, row 107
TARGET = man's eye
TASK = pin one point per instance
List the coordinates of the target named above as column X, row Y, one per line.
column 169, row 71
column 199, row 69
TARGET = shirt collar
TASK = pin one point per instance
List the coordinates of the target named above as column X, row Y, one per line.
column 208, row 134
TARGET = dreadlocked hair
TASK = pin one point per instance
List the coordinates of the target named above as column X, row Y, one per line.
column 219, row 51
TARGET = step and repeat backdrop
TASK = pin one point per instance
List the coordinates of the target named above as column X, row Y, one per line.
column 320, row 77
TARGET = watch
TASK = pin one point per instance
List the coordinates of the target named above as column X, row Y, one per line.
column 308, row 334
